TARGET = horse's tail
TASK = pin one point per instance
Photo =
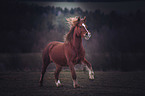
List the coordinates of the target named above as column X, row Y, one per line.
column 46, row 51
column 45, row 55
column 45, row 61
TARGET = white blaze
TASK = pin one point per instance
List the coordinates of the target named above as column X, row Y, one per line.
column 89, row 34
column 85, row 27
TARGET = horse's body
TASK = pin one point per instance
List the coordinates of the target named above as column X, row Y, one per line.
column 59, row 52
column 56, row 53
column 69, row 53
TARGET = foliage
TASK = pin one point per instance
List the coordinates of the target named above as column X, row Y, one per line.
column 28, row 28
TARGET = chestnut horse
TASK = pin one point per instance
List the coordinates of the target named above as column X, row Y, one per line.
column 69, row 53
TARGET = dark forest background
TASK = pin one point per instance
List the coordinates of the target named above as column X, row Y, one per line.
column 117, row 42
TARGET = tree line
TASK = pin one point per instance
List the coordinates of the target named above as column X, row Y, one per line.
column 28, row 28
column 117, row 41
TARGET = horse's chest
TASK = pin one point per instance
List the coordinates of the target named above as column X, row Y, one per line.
column 75, row 55
column 77, row 60
column 79, row 57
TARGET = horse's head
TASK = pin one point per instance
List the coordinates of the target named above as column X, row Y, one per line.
column 81, row 28
column 78, row 28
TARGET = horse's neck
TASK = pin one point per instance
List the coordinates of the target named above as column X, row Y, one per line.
column 77, row 43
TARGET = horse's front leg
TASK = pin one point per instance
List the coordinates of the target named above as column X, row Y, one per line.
column 73, row 73
column 91, row 72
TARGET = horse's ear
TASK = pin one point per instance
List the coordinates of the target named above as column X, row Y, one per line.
column 84, row 19
column 78, row 19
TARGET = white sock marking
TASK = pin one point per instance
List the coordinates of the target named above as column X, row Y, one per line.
column 91, row 74
column 58, row 83
column 89, row 34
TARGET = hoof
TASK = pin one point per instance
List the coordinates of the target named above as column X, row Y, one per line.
column 60, row 85
column 91, row 78
column 40, row 85
column 77, row 86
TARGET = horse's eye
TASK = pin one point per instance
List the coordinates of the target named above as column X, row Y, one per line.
column 80, row 26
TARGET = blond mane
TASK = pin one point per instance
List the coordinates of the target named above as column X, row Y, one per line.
column 72, row 21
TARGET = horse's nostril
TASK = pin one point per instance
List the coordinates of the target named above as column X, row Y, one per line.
column 86, row 34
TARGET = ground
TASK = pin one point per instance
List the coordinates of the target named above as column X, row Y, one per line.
column 105, row 84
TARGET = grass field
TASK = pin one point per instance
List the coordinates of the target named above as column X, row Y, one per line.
column 105, row 84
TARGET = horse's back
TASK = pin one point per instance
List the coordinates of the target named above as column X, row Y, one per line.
column 56, row 53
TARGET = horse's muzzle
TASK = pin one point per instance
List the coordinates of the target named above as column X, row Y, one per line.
column 87, row 35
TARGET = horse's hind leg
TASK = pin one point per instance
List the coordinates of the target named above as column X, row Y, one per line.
column 57, row 81
column 45, row 63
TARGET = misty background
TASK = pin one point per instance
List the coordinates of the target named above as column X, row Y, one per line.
column 117, row 42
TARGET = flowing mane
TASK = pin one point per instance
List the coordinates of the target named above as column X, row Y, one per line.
column 72, row 21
